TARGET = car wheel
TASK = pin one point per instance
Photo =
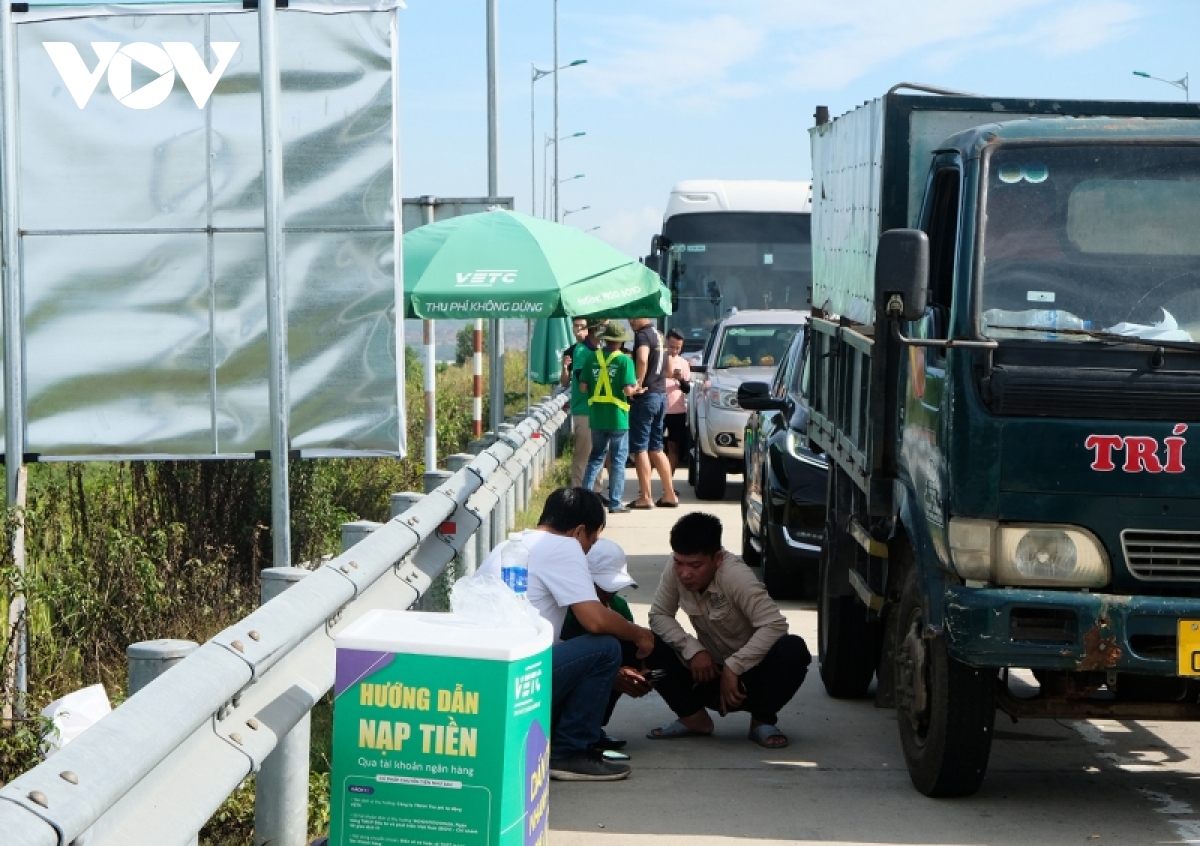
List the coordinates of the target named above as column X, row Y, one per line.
column 782, row 582
column 692, row 466
column 710, row 477
column 749, row 554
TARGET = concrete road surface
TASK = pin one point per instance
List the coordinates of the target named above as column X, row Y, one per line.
column 842, row 780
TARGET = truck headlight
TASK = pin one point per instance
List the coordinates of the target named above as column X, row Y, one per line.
column 723, row 399
column 1029, row 555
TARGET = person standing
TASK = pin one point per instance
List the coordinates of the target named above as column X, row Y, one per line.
column 679, row 385
column 580, row 429
column 647, row 417
column 607, row 375
column 585, row 668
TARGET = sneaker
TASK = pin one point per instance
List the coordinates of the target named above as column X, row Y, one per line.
column 607, row 741
column 618, row 509
column 587, row 766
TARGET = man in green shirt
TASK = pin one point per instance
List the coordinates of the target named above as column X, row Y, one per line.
column 607, row 376
column 585, row 340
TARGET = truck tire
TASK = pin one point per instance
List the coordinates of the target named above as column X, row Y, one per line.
column 848, row 640
column 710, row 477
column 944, row 708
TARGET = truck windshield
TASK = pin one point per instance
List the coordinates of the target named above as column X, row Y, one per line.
column 737, row 260
column 756, row 345
column 1097, row 240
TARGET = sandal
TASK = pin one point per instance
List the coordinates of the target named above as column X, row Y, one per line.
column 762, row 734
column 662, row 503
column 633, row 506
column 674, row 731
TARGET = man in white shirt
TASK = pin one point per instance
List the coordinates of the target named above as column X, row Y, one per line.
column 585, row 667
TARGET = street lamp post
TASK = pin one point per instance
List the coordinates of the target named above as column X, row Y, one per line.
column 536, row 73
column 545, row 179
column 574, row 211
column 1178, row 83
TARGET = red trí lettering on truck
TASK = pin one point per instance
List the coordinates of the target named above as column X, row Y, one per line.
column 1142, row 453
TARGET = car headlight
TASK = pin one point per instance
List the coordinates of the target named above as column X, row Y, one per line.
column 1027, row 555
column 797, row 447
column 723, row 399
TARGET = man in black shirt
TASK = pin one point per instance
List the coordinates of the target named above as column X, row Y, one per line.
column 647, row 414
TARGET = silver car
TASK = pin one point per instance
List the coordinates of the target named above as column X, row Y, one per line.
column 746, row 346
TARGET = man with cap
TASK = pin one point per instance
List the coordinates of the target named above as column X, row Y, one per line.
column 607, row 377
column 586, row 340
column 610, row 574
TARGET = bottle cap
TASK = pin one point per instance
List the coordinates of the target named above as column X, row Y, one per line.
column 515, row 536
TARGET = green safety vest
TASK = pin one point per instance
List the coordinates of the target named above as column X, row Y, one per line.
column 604, row 391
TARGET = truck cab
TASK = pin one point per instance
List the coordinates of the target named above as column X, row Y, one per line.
column 1007, row 382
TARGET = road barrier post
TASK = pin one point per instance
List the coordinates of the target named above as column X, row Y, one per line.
column 281, row 788
column 468, row 558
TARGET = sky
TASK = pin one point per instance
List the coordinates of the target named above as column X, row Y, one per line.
column 699, row 89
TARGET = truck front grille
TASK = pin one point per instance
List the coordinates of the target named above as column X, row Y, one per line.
column 1162, row 556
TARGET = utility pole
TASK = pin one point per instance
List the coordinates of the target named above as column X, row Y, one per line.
column 556, row 219
column 496, row 326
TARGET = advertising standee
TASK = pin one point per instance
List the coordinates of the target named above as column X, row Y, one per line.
column 440, row 733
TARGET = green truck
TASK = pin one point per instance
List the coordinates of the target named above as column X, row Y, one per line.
column 1003, row 367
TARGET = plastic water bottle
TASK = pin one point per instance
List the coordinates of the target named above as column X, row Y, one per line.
column 514, row 565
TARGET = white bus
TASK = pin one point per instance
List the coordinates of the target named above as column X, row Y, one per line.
column 733, row 244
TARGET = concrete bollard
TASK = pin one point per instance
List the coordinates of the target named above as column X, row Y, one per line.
column 401, row 502
column 281, row 788
column 432, row 479
column 352, row 533
column 148, row 660
column 467, row 555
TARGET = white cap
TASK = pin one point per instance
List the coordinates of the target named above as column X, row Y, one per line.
column 606, row 562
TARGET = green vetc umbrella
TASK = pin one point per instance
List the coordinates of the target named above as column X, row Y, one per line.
column 550, row 338
column 505, row 264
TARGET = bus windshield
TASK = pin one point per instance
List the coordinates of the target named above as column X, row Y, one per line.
column 725, row 260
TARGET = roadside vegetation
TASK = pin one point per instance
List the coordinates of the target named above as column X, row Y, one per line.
column 118, row 552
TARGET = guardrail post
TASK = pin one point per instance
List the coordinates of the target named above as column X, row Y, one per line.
column 281, row 787
column 468, row 559
column 148, row 660
column 401, row 502
column 352, row 533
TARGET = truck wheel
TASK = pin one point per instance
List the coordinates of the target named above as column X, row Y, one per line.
column 710, row 477
column 945, row 709
column 848, row 641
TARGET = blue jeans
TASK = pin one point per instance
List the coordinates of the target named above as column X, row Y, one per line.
column 602, row 441
column 584, row 669
column 647, row 416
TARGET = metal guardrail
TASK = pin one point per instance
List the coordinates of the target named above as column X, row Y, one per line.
column 156, row 769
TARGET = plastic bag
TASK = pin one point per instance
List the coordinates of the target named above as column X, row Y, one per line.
column 73, row 715
column 485, row 599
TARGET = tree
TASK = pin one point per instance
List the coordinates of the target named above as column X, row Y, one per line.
column 464, row 343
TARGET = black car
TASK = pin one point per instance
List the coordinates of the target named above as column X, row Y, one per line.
column 783, row 499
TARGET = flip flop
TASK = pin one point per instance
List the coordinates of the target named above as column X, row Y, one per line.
column 761, row 734
column 675, row 730
column 662, row 503
column 633, row 506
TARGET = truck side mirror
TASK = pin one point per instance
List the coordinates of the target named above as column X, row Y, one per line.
column 902, row 273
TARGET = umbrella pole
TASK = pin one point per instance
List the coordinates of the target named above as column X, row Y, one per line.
column 430, row 397
column 528, row 361
column 477, row 402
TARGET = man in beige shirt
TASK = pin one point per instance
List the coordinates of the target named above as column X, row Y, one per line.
column 742, row 657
